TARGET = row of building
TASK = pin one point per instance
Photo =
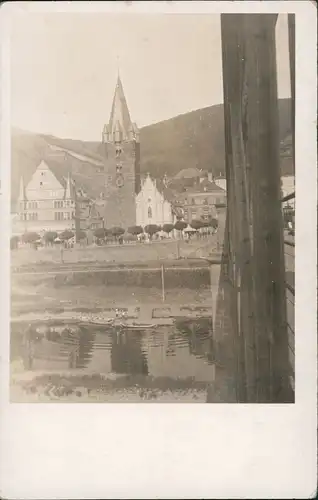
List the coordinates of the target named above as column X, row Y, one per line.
column 53, row 201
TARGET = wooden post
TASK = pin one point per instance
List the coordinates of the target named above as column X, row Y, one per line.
column 254, row 242
column 272, row 374
column 163, row 282
column 238, row 239
column 292, row 51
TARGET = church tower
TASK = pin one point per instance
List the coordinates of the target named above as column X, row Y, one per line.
column 121, row 151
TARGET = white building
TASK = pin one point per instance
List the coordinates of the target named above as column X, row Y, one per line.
column 154, row 203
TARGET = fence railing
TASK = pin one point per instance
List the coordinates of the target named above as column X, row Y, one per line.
column 288, row 207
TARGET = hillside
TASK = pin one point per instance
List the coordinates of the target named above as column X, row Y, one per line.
column 194, row 139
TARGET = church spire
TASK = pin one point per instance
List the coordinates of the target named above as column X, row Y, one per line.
column 119, row 113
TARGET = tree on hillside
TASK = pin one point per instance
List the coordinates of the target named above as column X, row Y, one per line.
column 152, row 229
column 49, row 237
column 30, row 237
column 164, row 146
column 135, row 230
column 167, row 228
column 66, row 235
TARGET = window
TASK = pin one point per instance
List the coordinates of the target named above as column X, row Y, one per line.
column 149, row 212
column 58, row 204
column 59, row 216
column 32, row 205
column 33, row 216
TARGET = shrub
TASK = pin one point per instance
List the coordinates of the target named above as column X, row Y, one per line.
column 135, row 230
column 66, row 235
column 116, row 231
column 213, row 223
column 50, row 236
column 81, row 235
column 167, row 228
column 152, row 229
column 197, row 224
column 30, row 237
column 180, row 225
column 131, row 237
column 100, row 233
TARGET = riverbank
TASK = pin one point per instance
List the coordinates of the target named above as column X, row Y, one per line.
column 117, row 254
column 82, row 387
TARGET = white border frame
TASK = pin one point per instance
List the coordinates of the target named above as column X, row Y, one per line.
column 173, row 451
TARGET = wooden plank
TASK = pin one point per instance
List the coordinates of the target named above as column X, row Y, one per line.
column 235, row 94
column 292, row 63
column 272, row 375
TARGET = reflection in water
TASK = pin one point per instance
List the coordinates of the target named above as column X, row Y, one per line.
column 127, row 355
column 179, row 351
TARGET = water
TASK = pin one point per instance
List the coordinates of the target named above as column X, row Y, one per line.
column 179, row 352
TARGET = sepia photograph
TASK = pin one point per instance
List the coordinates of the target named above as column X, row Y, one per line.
column 152, row 243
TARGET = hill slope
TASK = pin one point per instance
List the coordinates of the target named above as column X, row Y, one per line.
column 194, row 139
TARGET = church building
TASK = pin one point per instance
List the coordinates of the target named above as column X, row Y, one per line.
column 154, row 203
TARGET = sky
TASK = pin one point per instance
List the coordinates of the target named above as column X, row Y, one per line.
column 64, row 68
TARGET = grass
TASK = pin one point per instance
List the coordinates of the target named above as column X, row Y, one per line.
column 105, row 384
column 96, row 388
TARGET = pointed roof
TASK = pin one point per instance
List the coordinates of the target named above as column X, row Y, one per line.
column 120, row 113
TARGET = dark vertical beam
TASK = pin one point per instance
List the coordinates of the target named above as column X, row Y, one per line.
column 272, row 377
column 233, row 163
column 254, row 218
column 292, row 55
